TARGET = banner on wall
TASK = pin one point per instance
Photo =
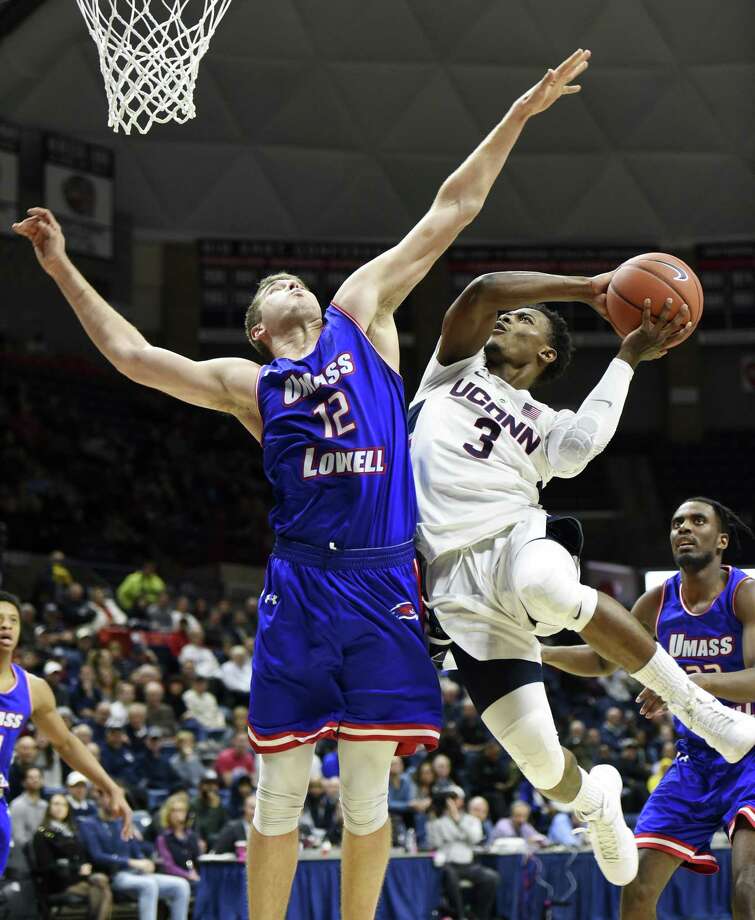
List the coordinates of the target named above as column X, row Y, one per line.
column 9, row 157
column 79, row 190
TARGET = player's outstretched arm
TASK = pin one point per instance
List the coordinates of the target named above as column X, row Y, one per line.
column 381, row 285
column 227, row 384
column 73, row 751
column 470, row 319
column 577, row 438
column 583, row 661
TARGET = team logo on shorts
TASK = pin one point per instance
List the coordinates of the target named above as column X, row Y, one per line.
column 405, row 611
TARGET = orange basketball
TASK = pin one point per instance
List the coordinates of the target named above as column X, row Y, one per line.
column 658, row 276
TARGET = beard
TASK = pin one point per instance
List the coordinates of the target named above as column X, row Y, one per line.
column 694, row 562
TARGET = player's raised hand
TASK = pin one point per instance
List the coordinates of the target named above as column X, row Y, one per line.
column 554, row 84
column 597, row 298
column 44, row 232
column 655, row 335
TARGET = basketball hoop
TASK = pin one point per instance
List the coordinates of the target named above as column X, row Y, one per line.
column 149, row 57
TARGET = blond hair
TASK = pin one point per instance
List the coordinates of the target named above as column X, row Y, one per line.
column 254, row 310
column 179, row 798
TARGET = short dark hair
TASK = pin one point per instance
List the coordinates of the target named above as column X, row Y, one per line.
column 9, row 598
column 253, row 312
column 560, row 340
column 729, row 521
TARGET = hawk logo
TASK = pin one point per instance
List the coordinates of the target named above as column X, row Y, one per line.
column 405, row 611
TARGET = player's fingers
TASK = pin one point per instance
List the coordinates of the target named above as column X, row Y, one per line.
column 576, row 71
column 647, row 315
column 568, row 63
column 665, row 310
column 570, row 90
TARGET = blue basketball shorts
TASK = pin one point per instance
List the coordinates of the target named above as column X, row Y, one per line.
column 5, row 834
column 340, row 651
column 694, row 799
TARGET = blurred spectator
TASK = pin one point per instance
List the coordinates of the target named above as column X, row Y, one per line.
column 177, row 846
column 159, row 714
column 185, row 763
column 160, row 614
column 53, row 672
column 238, row 830
column 451, row 693
column 450, row 744
column 28, row 625
column 479, row 808
column 239, row 724
column 619, row 686
column 236, row 674
column 136, row 728
column 117, row 757
column 157, row 772
column 202, row 707
column 472, row 729
column 634, row 775
column 49, row 762
column 53, row 580
column 74, row 606
column 205, row 663
column 24, row 756
column 565, row 828
column 454, row 833
column 131, row 872
column 27, row 811
column 183, row 617
column 207, row 811
column 236, row 760
column 422, row 786
column 399, row 790
column 63, row 863
column 174, row 695
column 319, row 810
column 613, row 731
column 576, row 742
column 106, row 612
column 125, row 695
column 99, row 721
column 80, row 804
column 442, row 770
column 83, row 732
column 85, row 695
column 494, row 776
column 141, row 588
column 518, row 825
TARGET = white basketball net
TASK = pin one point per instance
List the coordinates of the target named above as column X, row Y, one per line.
column 149, row 57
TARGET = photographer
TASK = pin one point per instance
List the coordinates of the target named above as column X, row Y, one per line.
column 454, row 833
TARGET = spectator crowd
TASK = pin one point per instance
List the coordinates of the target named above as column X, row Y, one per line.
column 156, row 685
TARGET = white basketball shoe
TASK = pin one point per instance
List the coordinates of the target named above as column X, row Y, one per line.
column 726, row 730
column 612, row 842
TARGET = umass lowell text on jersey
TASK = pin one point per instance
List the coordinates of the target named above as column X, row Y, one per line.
column 335, row 443
column 704, row 642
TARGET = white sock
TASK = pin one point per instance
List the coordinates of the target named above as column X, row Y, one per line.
column 590, row 796
column 664, row 677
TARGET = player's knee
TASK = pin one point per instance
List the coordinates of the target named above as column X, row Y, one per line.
column 532, row 743
column 364, row 814
column 283, row 782
column 546, row 581
column 638, row 899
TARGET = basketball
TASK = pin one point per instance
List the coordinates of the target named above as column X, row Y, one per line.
column 656, row 275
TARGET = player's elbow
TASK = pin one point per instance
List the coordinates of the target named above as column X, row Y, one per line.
column 571, row 449
column 132, row 362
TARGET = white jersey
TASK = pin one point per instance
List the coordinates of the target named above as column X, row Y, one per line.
column 478, row 448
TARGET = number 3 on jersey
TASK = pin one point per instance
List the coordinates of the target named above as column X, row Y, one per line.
column 490, row 431
column 340, row 406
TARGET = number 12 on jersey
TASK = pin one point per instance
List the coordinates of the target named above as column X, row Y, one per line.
column 332, row 413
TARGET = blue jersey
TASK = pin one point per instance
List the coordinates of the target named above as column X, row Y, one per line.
column 15, row 710
column 704, row 642
column 335, row 443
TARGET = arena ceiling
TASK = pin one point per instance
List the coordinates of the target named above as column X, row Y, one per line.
column 339, row 119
